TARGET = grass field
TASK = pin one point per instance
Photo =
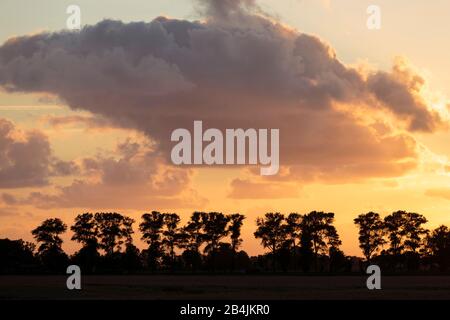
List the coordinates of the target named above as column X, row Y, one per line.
column 224, row 287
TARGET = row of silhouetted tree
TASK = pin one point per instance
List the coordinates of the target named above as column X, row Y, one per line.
column 399, row 242
column 211, row 241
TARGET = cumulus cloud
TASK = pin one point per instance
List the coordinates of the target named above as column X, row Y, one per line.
column 131, row 177
column 237, row 68
column 26, row 158
column 400, row 91
column 225, row 8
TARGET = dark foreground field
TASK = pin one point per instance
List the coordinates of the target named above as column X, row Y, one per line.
column 224, row 287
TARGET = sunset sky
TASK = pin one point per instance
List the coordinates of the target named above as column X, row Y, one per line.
column 85, row 118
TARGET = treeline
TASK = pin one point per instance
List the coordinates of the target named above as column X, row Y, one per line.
column 211, row 241
column 397, row 243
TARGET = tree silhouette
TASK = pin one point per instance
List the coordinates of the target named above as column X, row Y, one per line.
column 404, row 231
column 438, row 245
column 172, row 237
column 317, row 227
column 394, row 228
column 85, row 231
column 192, row 238
column 16, row 256
column 214, row 229
column 306, row 249
column 131, row 258
column 151, row 228
column 371, row 233
column 48, row 234
column 271, row 232
column 114, row 230
column 414, row 231
column 49, row 250
column 292, row 229
column 193, row 232
column 214, row 226
column 293, row 233
column 236, row 221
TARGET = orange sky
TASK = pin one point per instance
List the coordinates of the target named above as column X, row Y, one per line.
column 372, row 136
